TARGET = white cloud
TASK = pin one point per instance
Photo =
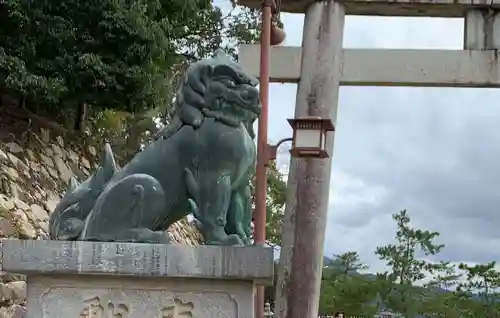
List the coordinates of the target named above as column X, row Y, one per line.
column 432, row 151
column 348, row 191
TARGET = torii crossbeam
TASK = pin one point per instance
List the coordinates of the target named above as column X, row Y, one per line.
column 389, row 67
column 477, row 65
column 405, row 8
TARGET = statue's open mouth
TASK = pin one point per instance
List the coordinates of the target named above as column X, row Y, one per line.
column 249, row 98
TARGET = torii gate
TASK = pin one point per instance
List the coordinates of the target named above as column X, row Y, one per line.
column 321, row 66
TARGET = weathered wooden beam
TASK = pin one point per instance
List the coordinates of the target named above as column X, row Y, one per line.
column 309, row 180
column 284, row 65
column 390, row 67
column 482, row 30
column 415, row 8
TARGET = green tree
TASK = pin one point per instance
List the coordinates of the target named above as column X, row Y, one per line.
column 483, row 280
column 192, row 36
column 406, row 267
column 445, row 277
column 440, row 298
column 276, row 198
column 108, row 54
column 350, row 262
column 344, row 289
column 71, row 58
column 384, row 285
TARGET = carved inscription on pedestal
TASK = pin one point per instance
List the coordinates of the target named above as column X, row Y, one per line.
column 179, row 309
column 96, row 308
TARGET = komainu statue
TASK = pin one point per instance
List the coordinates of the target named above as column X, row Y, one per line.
column 200, row 164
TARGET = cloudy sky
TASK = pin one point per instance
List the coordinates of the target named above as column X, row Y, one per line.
column 435, row 152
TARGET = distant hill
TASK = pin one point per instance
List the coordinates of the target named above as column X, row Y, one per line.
column 335, row 264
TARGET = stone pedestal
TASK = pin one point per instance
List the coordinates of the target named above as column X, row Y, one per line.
column 126, row 280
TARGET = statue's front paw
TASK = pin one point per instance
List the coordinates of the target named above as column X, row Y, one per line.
column 228, row 240
column 234, row 240
column 247, row 241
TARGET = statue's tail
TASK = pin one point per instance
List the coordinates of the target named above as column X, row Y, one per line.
column 80, row 197
column 136, row 201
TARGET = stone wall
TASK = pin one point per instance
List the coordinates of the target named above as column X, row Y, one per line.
column 33, row 177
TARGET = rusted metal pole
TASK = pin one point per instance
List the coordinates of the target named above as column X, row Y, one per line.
column 262, row 156
column 317, row 96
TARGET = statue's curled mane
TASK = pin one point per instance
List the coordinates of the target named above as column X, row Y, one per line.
column 207, row 92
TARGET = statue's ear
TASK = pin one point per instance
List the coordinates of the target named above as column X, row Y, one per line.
column 96, row 179
column 108, row 162
column 106, row 170
column 72, row 185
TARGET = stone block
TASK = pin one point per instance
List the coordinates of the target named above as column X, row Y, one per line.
column 127, row 280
